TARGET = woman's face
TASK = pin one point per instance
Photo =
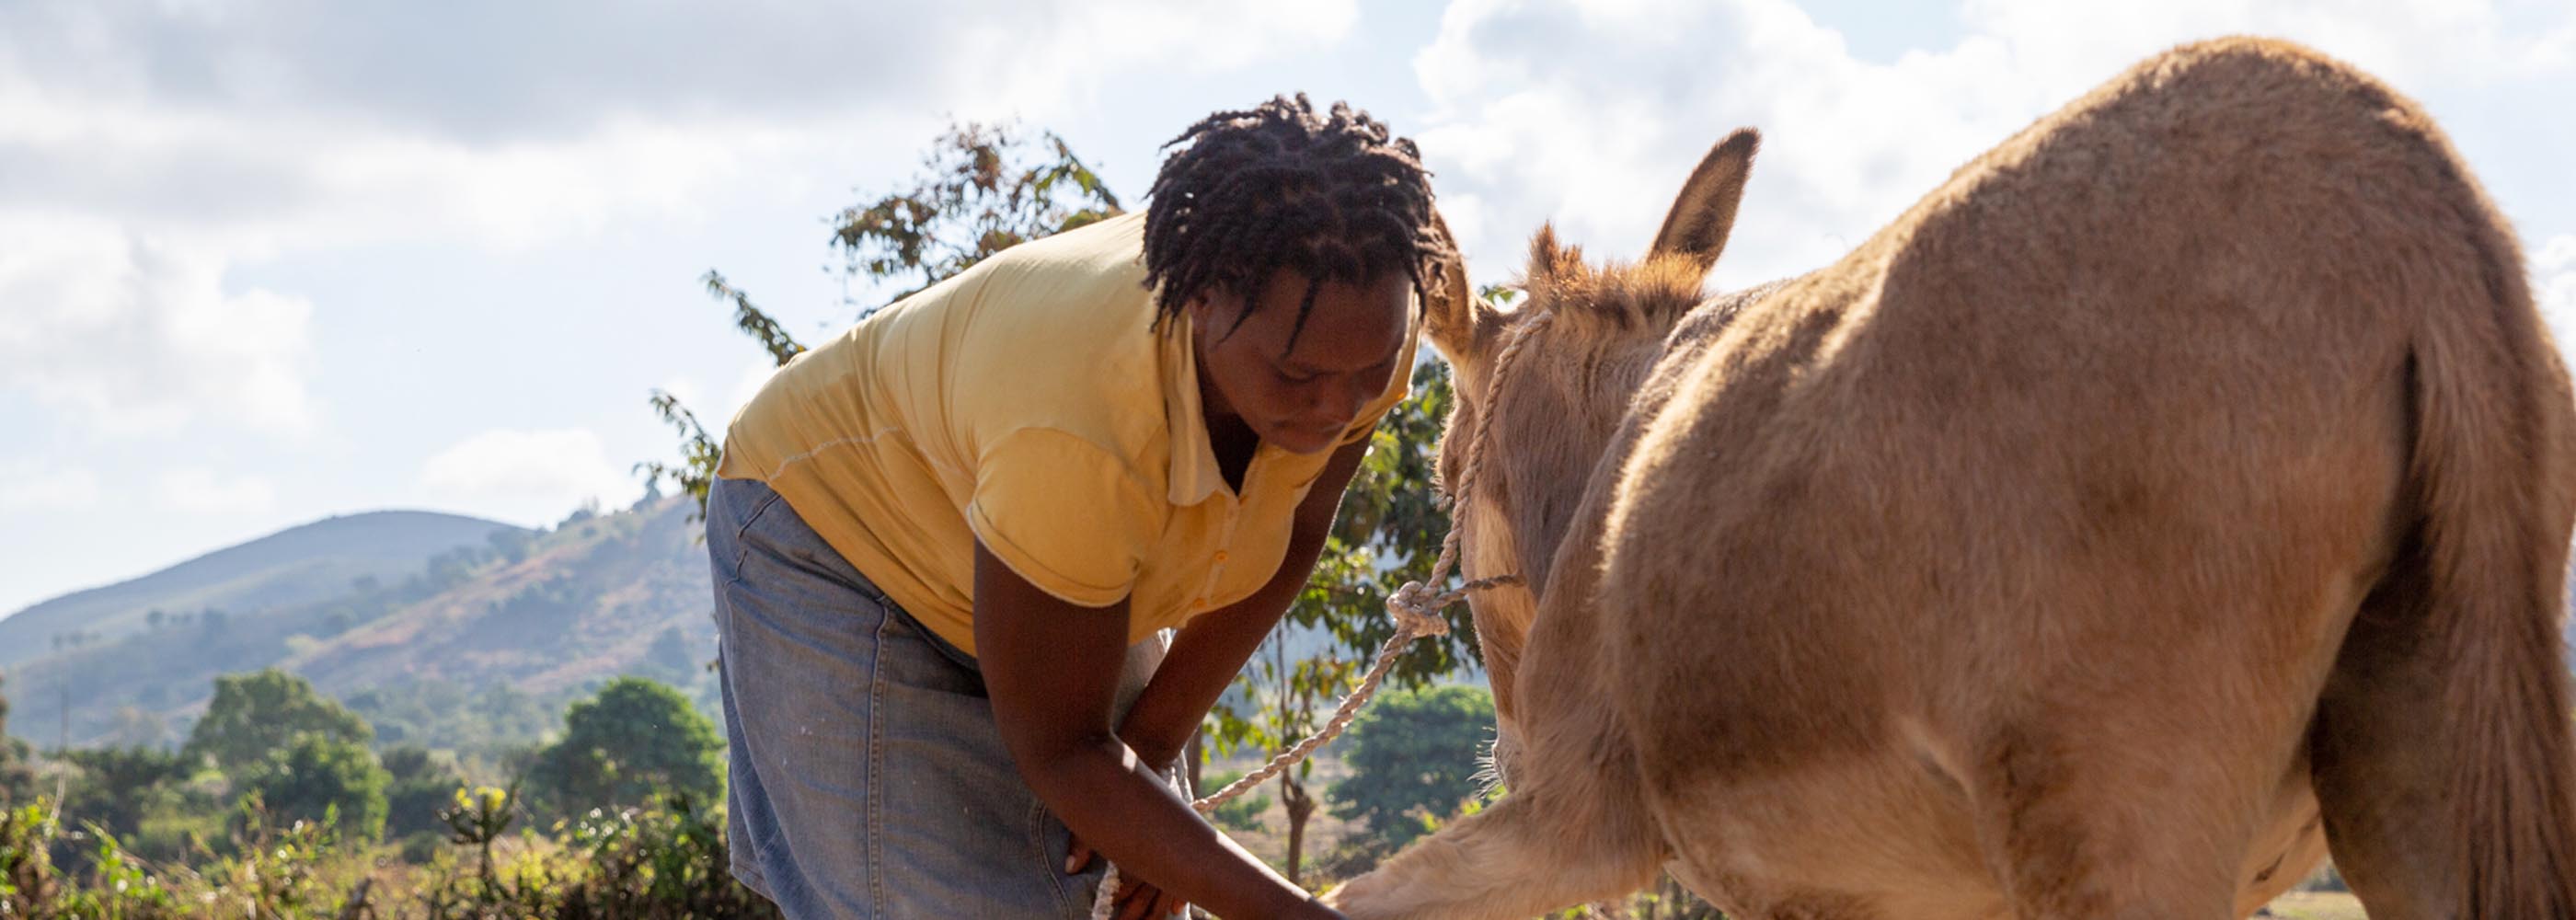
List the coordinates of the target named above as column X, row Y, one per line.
column 1302, row 398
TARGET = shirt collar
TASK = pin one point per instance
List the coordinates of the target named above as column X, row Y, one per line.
column 1193, row 475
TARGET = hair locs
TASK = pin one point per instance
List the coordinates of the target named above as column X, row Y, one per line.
column 1327, row 195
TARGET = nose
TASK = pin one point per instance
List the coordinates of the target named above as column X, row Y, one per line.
column 1342, row 400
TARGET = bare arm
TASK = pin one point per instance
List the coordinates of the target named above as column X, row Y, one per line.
column 1212, row 648
column 1051, row 669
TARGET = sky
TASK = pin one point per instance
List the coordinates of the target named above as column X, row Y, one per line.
column 267, row 261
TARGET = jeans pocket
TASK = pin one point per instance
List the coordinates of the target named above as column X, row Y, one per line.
column 1053, row 843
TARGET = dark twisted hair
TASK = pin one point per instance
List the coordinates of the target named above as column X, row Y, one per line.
column 1329, row 196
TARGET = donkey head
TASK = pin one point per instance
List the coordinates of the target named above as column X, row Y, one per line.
column 1591, row 333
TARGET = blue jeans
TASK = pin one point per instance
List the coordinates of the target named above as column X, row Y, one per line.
column 867, row 778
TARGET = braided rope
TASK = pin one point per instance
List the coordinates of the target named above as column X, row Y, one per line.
column 1413, row 605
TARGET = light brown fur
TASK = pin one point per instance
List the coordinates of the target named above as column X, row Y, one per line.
column 2182, row 489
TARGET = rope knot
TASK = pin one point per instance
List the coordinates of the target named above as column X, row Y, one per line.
column 1417, row 610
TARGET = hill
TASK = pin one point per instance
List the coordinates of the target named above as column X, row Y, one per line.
column 503, row 628
column 300, row 565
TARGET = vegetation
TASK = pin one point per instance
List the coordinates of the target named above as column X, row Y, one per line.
column 17, row 776
column 255, row 715
column 322, row 780
column 1413, row 759
column 661, row 860
column 300, row 828
column 635, row 740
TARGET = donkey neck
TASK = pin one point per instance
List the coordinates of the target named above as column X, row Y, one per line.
column 1557, row 429
column 1553, row 429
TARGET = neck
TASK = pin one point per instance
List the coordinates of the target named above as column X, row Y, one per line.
column 1550, row 431
column 1233, row 442
column 1229, row 437
column 1563, row 415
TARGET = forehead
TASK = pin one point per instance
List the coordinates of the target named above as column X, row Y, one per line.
column 1351, row 326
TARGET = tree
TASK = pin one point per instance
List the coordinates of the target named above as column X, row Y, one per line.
column 1277, row 704
column 636, row 738
column 257, row 713
column 17, row 776
column 417, row 787
column 987, row 188
column 318, row 775
column 1412, row 755
column 116, row 788
column 983, row 189
column 136, row 727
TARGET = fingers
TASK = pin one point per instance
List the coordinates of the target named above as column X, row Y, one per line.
column 1135, row 902
column 1077, row 857
column 1146, row 902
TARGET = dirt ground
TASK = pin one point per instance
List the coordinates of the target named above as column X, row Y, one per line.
column 2316, row 905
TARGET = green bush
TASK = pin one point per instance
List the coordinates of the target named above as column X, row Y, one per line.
column 420, row 848
column 323, row 779
column 1413, row 756
column 665, row 859
column 1242, row 814
column 637, row 738
column 418, row 784
column 255, row 714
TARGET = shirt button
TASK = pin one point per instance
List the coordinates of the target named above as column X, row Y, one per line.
column 1200, row 603
column 1220, row 555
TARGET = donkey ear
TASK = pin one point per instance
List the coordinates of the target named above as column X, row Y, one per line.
column 1704, row 214
column 1459, row 323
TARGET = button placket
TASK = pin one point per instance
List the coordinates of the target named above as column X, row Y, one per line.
column 1216, row 567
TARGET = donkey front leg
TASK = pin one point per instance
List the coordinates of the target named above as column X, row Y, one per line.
column 1564, row 840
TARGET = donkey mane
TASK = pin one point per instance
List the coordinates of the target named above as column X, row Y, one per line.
column 1612, row 300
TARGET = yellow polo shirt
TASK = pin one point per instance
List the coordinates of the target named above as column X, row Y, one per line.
column 1025, row 403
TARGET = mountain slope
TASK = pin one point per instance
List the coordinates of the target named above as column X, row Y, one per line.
column 589, row 602
column 541, row 613
column 299, row 565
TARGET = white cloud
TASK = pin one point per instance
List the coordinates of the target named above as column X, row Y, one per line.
column 34, row 485
column 2553, row 283
column 147, row 149
column 137, row 335
column 2408, row 42
column 200, row 490
column 1591, row 114
column 1045, row 55
column 321, row 126
column 530, row 475
column 716, row 411
column 686, row 390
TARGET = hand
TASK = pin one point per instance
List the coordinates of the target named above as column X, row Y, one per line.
column 1136, row 900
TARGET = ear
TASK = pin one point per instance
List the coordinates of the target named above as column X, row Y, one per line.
column 1704, row 214
column 1459, row 323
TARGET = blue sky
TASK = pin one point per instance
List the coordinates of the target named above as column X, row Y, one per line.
column 267, row 261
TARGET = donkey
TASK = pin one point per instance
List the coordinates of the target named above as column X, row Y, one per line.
column 2181, row 491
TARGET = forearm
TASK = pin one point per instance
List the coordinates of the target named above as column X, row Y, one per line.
column 1207, row 655
column 1211, row 650
column 1106, row 795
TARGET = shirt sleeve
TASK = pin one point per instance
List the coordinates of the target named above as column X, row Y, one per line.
column 1065, row 514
